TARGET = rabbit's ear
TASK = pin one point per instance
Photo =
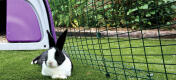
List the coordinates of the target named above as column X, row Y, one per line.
column 51, row 39
column 61, row 40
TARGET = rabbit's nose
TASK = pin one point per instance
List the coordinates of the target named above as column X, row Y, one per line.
column 50, row 63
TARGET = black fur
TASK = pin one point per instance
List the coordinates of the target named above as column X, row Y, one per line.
column 61, row 41
column 59, row 57
column 51, row 40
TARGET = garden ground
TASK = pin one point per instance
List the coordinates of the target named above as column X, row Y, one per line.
column 15, row 65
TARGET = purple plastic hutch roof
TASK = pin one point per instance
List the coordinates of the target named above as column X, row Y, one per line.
column 22, row 22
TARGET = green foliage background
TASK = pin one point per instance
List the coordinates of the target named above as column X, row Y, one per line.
column 135, row 14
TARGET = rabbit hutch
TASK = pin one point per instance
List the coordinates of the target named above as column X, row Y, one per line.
column 24, row 24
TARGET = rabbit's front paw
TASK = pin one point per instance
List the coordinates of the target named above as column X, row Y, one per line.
column 59, row 77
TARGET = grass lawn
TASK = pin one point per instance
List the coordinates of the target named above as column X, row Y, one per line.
column 15, row 65
column 121, row 57
column 116, row 56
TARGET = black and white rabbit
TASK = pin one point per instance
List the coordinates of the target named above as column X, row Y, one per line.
column 55, row 62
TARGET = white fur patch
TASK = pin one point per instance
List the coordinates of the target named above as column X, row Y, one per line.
column 32, row 62
column 51, row 58
column 62, row 71
column 35, row 62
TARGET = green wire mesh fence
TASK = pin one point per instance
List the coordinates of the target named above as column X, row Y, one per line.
column 124, row 39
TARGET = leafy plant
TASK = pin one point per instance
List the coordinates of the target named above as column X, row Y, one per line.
column 149, row 14
column 135, row 14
